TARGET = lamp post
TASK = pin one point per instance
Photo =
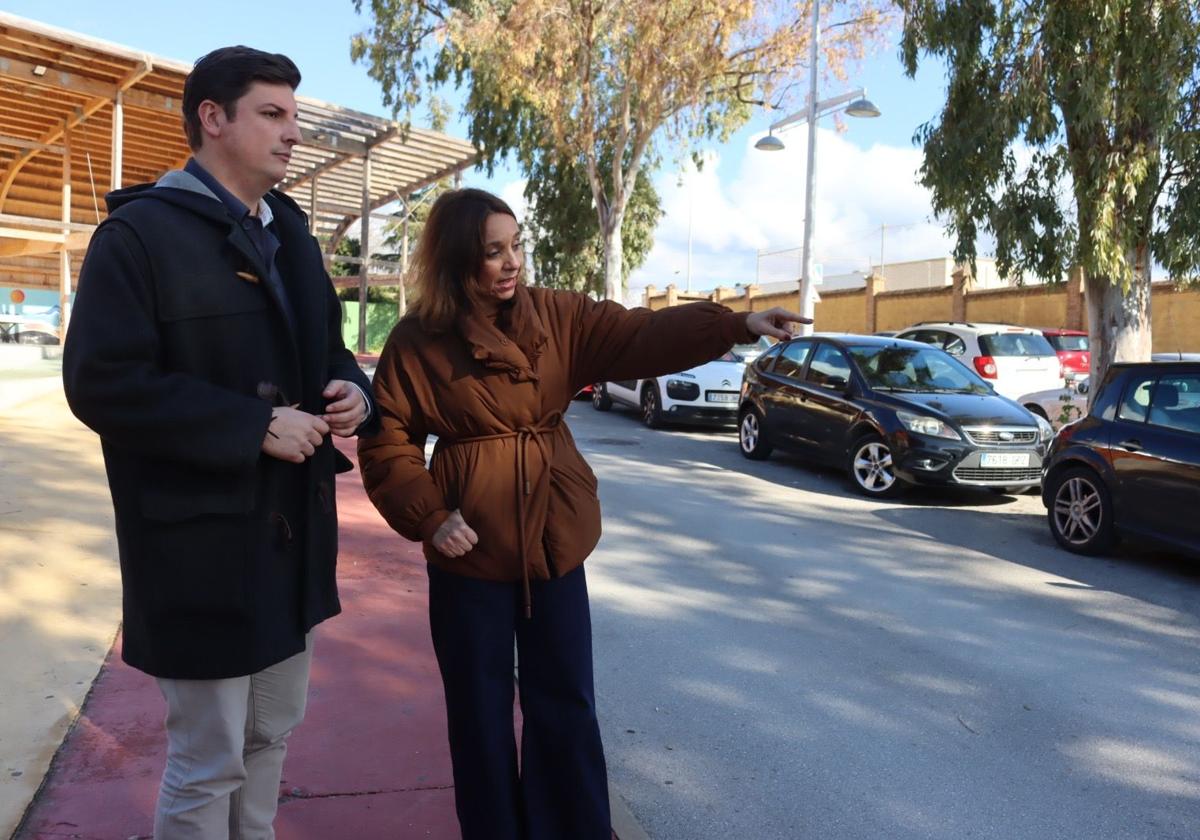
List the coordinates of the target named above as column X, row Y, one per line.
column 859, row 106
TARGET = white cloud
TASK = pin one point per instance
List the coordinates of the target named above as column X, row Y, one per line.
column 760, row 207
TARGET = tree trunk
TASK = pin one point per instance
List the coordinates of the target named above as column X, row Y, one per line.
column 614, row 280
column 1119, row 321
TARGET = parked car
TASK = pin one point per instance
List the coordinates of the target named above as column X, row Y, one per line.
column 891, row 413
column 1132, row 466
column 707, row 394
column 1072, row 349
column 1175, row 357
column 21, row 330
column 1014, row 360
column 1059, row 405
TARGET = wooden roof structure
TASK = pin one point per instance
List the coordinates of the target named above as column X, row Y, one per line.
column 80, row 117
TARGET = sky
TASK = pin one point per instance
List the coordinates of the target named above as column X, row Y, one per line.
column 742, row 208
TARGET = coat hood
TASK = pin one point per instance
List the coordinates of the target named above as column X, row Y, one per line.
column 184, row 189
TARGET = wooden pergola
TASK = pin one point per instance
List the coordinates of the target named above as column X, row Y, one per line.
column 80, row 117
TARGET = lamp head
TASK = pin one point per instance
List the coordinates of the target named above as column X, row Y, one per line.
column 770, row 143
column 862, row 108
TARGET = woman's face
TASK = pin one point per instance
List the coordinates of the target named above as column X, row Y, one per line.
column 502, row 258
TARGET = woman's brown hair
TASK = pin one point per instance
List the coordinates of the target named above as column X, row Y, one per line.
column 449, row 256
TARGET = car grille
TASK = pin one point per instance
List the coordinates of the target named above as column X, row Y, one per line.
column 1001, row 436
column 998, row 474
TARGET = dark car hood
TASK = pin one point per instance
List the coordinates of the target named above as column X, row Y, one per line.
column 970, row 409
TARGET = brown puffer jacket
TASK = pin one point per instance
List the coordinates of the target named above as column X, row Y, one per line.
column 494, row 395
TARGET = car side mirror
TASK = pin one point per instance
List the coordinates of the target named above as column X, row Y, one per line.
column 1082, row 387
column 836, row 383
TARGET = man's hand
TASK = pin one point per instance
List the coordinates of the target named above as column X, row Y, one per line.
column 770, row 322
column 293, row 435
column 348, row 409
column 455, row 537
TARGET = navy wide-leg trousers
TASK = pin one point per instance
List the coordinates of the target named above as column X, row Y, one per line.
column 561, row 790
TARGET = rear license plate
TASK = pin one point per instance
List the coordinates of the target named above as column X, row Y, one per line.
column 1004, row 459
column 722, row 396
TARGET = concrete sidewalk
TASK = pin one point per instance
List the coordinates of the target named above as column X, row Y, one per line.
column 370, row 760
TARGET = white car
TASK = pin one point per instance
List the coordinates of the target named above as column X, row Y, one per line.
column 1059, row 405
column 707, row 394
column 1013, row 360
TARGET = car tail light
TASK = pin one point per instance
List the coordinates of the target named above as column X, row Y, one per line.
column 986, row 366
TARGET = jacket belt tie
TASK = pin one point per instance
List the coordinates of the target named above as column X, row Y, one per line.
column 533, row 433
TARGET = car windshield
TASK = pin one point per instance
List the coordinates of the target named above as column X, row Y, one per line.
column 1015, row 344
column 1069, row 342
column 747, row 352
column 920, row 370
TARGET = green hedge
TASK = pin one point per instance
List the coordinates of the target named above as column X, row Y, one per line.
column 381, row 317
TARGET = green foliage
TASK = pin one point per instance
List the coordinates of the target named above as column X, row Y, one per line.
column 568, row 249
column 1071, row 131
column 348, row 246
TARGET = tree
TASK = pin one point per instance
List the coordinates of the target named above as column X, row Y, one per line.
column 589, row 79
column 568, row 251
column 1071, row 132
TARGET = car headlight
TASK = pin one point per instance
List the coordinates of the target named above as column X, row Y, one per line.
column 1044, row 427
column 923, row 424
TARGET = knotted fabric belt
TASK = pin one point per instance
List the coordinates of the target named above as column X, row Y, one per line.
column 532, row 434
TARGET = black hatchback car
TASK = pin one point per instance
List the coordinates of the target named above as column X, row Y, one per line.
column 891, row 412
column 1132, row 465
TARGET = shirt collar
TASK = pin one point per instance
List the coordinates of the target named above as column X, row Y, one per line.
column 236, row 208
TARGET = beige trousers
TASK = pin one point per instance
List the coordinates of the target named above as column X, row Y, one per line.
column 226, row 740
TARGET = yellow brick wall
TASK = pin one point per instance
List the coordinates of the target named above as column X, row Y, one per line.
column 1175, row 311
column 897, row 310
column 842, row 311
column 1032, row 306
column 1175, row 319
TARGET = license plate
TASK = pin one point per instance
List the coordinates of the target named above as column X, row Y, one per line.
column 722, row 396
column 1004, row 459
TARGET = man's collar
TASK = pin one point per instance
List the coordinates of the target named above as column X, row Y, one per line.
column 235, row 205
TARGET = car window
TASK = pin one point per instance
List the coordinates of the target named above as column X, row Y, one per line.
column 951, row 343
column 1068, row 342
column 1137, row 400
column 792, row 358
column 1015, row 344
column 1175, row 403
column 915, row 369
column 828, row 363
column 764, row 361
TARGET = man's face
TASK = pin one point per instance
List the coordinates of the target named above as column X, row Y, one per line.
column 258, row 141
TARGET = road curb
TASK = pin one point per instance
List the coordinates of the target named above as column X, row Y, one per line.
column 624, row 825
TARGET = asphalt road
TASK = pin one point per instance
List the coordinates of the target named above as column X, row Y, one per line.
column 779, row 658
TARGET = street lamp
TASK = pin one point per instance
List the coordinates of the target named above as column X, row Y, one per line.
column 859, row 106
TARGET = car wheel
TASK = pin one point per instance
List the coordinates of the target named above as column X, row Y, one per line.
column 871, row 469
column 750, row 436
column 1081, row 512
column 601, row 401
column 651, row 412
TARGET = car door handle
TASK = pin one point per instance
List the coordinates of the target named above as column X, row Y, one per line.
column 1131, row 445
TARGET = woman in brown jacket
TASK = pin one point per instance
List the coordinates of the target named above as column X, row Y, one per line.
column 507, row 509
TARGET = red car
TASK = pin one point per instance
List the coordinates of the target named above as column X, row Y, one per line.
column 1072, row 349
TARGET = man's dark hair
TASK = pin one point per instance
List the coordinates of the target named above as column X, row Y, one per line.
column 224, row 76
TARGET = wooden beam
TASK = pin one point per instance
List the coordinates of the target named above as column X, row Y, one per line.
column 81, row 115
column 365, row 250
column 118, row 139
column 22, row 143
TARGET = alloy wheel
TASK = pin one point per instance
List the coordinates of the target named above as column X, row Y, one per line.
column 873, row 467
column 1078, row 510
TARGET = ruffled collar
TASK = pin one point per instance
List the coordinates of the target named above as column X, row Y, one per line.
column 516, row 350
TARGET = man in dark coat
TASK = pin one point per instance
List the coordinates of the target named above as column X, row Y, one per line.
column 205, row 350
